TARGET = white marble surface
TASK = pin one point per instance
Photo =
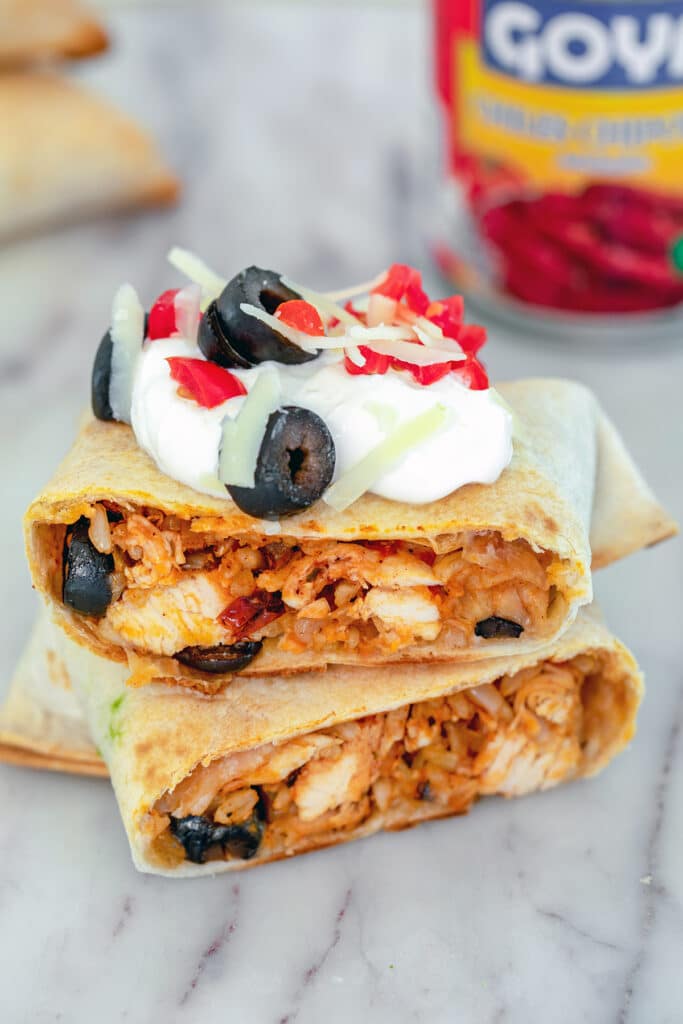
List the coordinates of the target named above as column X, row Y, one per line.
column 302, row 139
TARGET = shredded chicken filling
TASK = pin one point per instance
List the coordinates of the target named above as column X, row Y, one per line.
column 178, row 585
column 524, row 732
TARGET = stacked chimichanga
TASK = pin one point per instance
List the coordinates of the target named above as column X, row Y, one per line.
column 491, row 570
column 314, row 577
column 271, row 767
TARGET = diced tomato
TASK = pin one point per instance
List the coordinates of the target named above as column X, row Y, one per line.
column 207, row 383
column 404, row 282
column 248, row 615
column 301, row 315
column 472, row 374
column 374, row 362
column 161, row 321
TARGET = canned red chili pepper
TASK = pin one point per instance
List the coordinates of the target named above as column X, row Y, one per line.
column 564, row 157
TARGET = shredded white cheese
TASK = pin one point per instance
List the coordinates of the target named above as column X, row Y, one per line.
column 242, row 437
column 127, row 334
column 322, row 302
column 196, row 269
column 416, row 354
column 361, row 477
column 358, row 289
column 304, row 341
column 187, row 305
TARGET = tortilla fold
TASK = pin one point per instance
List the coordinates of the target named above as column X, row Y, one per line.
column 167, row 748
column 565, row 453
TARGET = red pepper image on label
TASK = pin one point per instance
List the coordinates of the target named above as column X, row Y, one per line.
column 564, row 143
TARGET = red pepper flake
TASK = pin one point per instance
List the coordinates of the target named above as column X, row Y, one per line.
column 384, row 547
column 161, row 321
column 300, row 315
column 207, row 383
column 248, row 615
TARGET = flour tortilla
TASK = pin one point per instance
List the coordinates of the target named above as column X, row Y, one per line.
column 66, row 154
column 152, row 738
column 38, row 30
column 41, row 723
column 569, row 468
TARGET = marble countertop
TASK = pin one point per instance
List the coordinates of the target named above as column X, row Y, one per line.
column 303, row 135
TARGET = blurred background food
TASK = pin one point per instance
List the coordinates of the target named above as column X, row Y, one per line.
column 37, row 30
column 64, row 153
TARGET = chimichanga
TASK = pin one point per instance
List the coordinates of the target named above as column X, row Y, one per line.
column 41, row 723
column 411, row 583
column 65, row 153
column 37, row 30
column 273, row 767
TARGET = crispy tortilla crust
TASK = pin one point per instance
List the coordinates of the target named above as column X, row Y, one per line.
column 565, row 453
column 545, row 503
column 153, row 738
column 36, row 30
column 528, row 731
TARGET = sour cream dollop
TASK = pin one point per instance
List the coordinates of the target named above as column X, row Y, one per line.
column 473, row 446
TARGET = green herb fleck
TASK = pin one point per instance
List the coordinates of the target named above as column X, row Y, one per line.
column 115, row 731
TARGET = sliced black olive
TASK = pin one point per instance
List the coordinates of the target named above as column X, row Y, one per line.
column 222, row 658
column 198, row 834
column 494, row 628
column 101, row 379
column 214, row 344
column 87, row 583
column 231, row 337
column 294, row 466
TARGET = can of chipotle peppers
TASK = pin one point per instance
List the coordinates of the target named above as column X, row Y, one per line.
column 561, row 193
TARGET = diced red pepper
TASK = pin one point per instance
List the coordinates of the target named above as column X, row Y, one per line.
column 404, row 282
column 384, row 547
column 425, row 555
column 472, row 374
column 207, row 383
column 161, row 322
column 247, row 615
column 471, row 337
column 374, row 362
column 301, row 315
column 448, row 314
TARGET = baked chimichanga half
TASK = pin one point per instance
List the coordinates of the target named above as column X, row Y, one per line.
column 381, row 582
column 66, row 154
column 39, row 30
column 269, row 767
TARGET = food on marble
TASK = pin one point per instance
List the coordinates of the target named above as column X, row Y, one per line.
column 87, row 572
column 367, row 506
column 271, row 771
